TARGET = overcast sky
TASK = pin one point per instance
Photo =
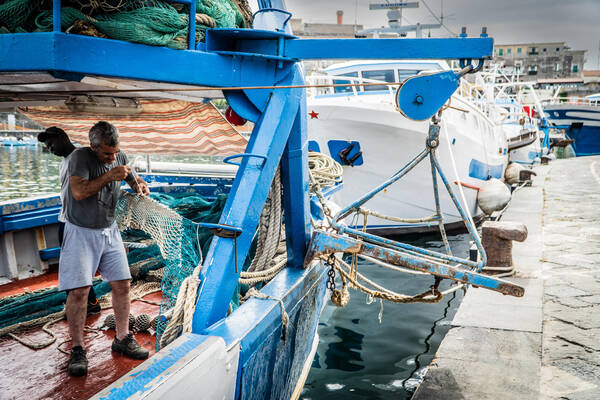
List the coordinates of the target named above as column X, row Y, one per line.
column 576, row 22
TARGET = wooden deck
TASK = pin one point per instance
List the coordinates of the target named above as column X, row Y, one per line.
column 42, row 374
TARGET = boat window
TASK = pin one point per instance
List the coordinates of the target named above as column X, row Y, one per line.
column 385, row 75
column 344, row 89
column 406, row 73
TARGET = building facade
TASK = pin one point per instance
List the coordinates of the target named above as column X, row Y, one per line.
column 539, row 61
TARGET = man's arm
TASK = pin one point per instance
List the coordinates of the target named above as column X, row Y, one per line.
column 83, row 188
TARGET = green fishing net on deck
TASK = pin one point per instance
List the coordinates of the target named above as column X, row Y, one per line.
column 152, row 22
column 178, row 240
column 15, row 310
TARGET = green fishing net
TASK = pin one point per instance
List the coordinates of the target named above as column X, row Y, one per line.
column 152, row 22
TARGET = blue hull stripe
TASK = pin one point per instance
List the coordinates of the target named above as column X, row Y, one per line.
column 586, row 140
column 483, row 171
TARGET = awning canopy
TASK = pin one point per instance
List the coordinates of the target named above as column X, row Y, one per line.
column 162, row 126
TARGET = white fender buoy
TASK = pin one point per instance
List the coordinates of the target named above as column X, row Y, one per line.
column 512, row 173
column 493, row 195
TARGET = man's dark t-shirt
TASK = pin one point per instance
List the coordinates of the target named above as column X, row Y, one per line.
column 97, row 211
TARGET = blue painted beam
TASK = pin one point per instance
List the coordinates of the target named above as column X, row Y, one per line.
column 325, row 243
column 244, row 205
column 30, row 219
column 296, row 202
column 448, row 48
column 47, row 254
column 16, row 206
column 48, row 51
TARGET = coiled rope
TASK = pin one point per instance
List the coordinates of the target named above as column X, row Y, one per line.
column 325, row 171
column 183, row 312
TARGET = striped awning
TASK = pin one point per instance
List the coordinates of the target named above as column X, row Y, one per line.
column 162, row 126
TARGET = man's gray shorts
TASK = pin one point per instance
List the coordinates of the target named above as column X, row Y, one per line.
column 86, row 251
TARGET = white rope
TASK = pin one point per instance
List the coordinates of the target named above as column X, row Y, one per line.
column 325, row 170
column 45, row 328
column 137, row 245
column 504, row 271
column 366, row 211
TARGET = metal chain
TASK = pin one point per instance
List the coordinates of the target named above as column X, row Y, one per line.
column 331, row 273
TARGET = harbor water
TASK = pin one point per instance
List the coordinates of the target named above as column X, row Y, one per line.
column 366, row 350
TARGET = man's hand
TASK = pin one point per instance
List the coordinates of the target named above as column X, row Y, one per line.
column 119, row 173
column 141, row 187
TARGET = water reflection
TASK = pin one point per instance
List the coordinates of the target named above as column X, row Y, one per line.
column 27, row 171
column 360, row 358
column 343, row 353
column 417, row 374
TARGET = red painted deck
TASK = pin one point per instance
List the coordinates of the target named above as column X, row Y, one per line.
column 42, row 374
column 48, row 280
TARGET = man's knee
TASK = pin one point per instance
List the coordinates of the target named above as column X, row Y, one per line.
column 120, row 287
column 78, row 294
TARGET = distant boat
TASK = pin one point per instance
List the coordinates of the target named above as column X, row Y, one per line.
column 580, row 118
column 521, row 132
column 12, row 141
column 360, row 127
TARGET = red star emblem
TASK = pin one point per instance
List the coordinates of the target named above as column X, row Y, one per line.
column 313, row 114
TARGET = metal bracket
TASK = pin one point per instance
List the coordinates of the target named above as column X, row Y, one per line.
column 227, row 160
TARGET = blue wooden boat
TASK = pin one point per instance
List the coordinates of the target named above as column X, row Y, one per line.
column 580, row 119
column 252, row 352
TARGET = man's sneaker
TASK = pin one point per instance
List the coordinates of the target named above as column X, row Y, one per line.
column 129, row 347
column 93, row 308
column 78, row 364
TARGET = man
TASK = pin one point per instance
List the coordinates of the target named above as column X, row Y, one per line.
column 58, row 143
column 92, row 241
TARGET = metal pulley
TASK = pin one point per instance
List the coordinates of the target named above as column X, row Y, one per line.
column 420, row 97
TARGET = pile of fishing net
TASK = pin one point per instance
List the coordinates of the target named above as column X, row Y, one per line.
column 152, row 22
column 165, row 243
column 170, row 223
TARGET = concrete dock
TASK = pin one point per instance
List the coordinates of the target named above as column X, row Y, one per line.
column 545, row 345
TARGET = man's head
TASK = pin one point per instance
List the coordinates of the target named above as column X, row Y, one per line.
column 104, row 141
column 56, row 140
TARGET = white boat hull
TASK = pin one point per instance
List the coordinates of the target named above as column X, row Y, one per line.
column 388, row 141
column 529, row 154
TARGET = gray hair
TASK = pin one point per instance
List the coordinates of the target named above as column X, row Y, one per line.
column 104, row 133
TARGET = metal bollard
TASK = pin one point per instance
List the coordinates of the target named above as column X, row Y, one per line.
column 497, row 237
